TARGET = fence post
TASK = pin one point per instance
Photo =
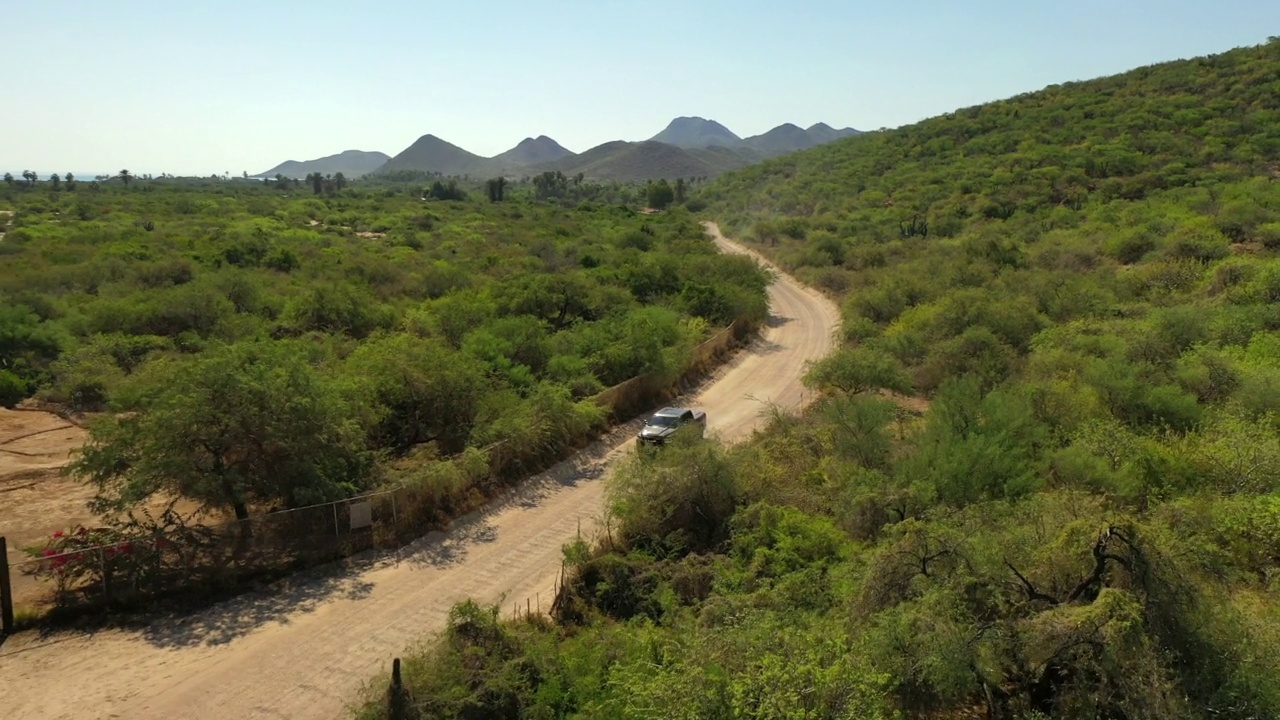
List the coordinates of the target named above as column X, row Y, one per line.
column 6, row 591
column 336, row 535
column 106, row 585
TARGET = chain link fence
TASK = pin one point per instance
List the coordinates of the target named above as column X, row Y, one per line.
column 95, row 567
column 101, row 567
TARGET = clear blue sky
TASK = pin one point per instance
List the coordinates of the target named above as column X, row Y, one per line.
column 201, row 87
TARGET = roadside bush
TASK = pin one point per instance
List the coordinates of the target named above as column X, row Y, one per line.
column 675, row 501
column 12, row 389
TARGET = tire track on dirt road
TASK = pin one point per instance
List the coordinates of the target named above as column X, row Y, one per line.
column 303, row 648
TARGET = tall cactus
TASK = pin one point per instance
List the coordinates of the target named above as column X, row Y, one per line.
column 914, row 228
column 399, row 700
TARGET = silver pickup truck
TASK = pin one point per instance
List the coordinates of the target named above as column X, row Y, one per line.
column 664, row 423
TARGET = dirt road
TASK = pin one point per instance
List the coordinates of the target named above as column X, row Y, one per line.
column 303, row 650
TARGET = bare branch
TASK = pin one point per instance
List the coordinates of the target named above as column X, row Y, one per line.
column 1032, row 592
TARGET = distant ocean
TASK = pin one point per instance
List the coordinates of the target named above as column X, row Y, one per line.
column 87, row 176
column 17, row 174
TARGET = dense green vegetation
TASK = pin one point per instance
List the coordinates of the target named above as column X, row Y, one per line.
column 230, row 326
column 1075, row 517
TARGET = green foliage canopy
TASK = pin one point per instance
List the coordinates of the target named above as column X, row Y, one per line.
column 243, row 424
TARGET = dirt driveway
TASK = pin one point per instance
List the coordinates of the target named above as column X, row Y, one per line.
column 303, row 649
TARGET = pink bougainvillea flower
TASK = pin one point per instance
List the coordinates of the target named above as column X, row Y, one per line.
column 58, row 533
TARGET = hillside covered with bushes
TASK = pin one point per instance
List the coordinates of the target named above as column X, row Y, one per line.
column 1076, row 514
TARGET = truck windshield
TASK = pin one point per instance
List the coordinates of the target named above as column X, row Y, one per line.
column 664, row 421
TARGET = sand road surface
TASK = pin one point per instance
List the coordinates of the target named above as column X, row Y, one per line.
column 303, row 648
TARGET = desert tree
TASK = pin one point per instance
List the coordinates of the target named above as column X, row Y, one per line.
column 497, row 188
column 243, row 425
column 443, row 191
column 660, row 195
column 550, row 185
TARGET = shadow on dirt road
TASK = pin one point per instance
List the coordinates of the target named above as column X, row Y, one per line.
column 240, row 616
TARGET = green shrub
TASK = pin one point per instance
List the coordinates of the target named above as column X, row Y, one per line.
column 12, row 389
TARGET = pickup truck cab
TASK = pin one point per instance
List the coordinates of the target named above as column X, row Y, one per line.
column 664, row 423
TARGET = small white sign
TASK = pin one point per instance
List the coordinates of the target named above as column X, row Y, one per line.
column 361, row 514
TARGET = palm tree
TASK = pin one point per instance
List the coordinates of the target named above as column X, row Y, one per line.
column 8, row 179
column 56, row 180
column 125, row 177
column 70, row 180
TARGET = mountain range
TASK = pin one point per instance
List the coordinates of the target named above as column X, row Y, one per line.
column 351, row 163
column 687, row 147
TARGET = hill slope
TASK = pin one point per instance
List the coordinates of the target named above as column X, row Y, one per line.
column 1084, row 281
column 649, row 160
column 1158, row 127
column 696, row 132
column 430, row 154
column 781, row 140
column 822, row 133
column 351, row 163
column 532, row 151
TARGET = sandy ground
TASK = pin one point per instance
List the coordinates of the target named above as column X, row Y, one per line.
column 35, row 499
column 304, row 648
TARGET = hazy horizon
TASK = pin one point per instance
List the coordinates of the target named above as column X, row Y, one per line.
column 236, row 86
